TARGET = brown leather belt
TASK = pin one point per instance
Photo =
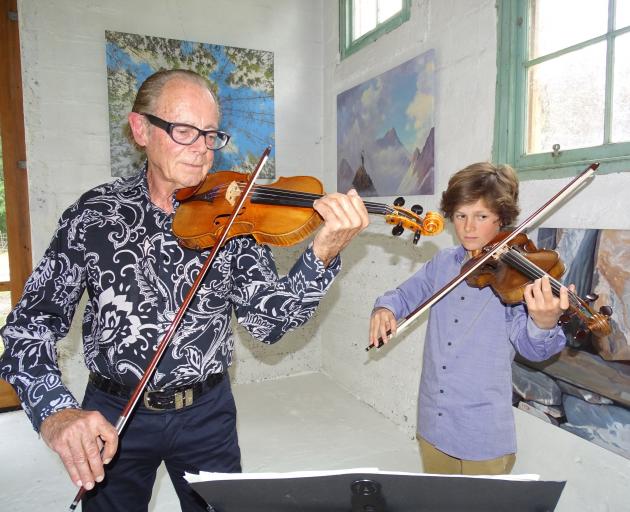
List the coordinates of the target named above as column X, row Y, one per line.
column 161, row 399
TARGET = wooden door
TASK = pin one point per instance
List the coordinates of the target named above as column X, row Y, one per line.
column 17, row 238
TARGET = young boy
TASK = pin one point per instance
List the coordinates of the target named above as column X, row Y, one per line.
column 465, row 420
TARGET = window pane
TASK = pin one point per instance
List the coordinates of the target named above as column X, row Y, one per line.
column 387, row 8
column 622, row 19
column 363, row 17
column 557, row 24
column 572, row 120
column 621, row 93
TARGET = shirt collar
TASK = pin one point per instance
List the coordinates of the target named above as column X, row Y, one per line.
column 460, row 254
column 139, row 179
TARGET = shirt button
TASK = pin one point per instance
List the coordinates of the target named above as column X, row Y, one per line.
column 443, row 367
column 462, row 297
column 441, row 391
column 439, row 414
column 449, row 343
column 456, row 320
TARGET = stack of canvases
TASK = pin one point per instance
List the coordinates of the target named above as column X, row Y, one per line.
column 588, row 414
column 586, row 388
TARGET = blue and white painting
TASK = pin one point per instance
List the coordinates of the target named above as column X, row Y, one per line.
column 242, row 80
column 385, row 132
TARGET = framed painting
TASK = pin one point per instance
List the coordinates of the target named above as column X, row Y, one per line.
column 242, row 80
column 385, row 132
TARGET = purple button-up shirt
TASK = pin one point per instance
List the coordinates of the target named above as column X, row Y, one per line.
column 464, row 405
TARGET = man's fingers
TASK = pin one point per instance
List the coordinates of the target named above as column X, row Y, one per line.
column 93, row 457
column 78, row 437
column 110, row 438
column 359, row 207
column 68, row 461
column 344, row 211
column 344, row 217
column 80, row 461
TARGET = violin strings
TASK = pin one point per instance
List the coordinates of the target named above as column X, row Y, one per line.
column 301, row 198
column 520, row 262
column 272, row 193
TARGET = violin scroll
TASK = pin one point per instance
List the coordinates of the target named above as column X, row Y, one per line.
column 402, row 219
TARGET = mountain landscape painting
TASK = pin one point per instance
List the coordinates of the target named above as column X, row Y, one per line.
column 385, row 132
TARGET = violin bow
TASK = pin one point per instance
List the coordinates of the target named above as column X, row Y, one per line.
column 159, row 352
column 569, row 188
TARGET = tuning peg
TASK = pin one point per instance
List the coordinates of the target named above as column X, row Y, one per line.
column 581, row 334
column 397, row 230
column 564, row 319
column 606, row 310
column 399, row 201
column 416, row 237
column 417, row 209
column 591, row 297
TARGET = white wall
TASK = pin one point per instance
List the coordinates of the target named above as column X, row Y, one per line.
column 67, row 130
column 463, row 34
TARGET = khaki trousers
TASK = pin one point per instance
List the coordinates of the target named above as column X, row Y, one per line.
column 437, row 462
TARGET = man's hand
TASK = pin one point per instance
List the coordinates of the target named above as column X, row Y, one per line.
column 78, row 436
column 542, row 305
column 344, row 217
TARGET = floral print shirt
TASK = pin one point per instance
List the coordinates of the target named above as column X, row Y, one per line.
column 114, row 243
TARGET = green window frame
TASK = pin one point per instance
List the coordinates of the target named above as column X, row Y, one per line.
column 347, row 46
column 511, row 102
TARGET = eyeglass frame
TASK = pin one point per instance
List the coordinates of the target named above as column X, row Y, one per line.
column 168, row 128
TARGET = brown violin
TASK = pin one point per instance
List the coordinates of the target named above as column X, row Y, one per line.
column 277, row 214
column 517, row 264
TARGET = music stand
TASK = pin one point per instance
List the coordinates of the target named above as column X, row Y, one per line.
column 375, row 491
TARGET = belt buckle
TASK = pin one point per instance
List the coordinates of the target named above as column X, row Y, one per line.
column 147, row 402
column 183, row 398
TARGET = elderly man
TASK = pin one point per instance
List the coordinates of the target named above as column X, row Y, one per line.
column 116, row 242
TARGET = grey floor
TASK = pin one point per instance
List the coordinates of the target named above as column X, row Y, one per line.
column 297, row 423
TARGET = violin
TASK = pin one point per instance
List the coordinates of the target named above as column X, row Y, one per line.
column 279, row 214
column 512, row 251
column 517, row 264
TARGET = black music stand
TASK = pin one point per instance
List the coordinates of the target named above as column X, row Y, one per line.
column 377, row 491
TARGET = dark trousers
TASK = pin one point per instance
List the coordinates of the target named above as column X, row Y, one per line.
column 201, row 437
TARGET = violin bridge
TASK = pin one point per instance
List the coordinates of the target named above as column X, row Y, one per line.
column 232, row 193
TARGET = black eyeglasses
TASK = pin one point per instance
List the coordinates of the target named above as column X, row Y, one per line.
column 187, row 134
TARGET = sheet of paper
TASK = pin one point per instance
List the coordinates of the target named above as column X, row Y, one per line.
column 204, row 476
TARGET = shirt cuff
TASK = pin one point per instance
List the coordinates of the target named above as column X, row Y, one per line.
column 314, row 270
column 45, row 397
column 537, row 333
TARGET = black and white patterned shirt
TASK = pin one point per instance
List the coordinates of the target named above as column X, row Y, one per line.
column 114, row 243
